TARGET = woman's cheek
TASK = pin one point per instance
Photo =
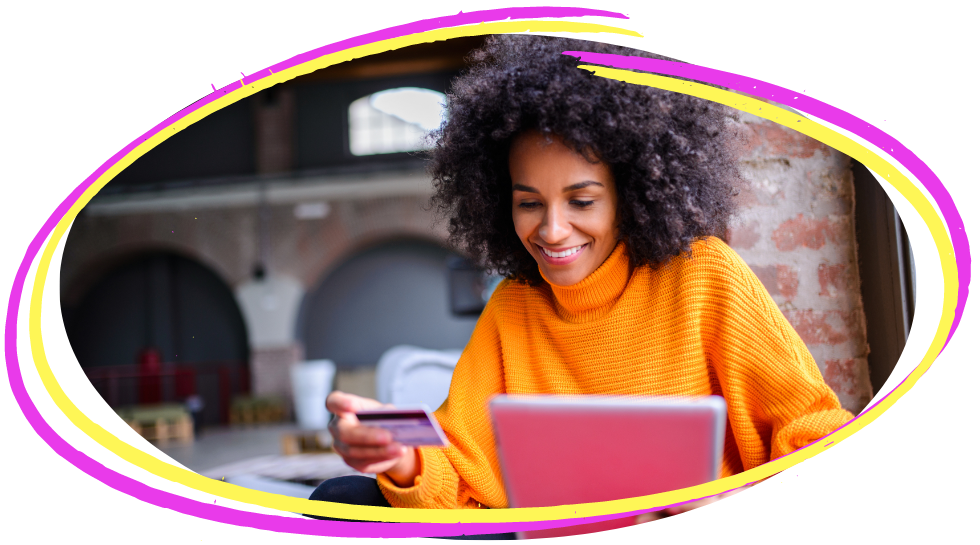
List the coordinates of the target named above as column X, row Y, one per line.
column 523, row 224
column 515, row 214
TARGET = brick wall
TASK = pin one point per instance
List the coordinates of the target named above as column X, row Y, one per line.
column 796, row 231
column 226, row 239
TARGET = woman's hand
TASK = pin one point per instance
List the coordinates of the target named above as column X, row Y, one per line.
column 368, row 449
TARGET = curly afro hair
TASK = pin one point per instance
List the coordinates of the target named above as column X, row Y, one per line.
column 670, row 154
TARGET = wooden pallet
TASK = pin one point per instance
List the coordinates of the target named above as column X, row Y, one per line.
column 160, row 423
column 257, row 410
column 311, row 442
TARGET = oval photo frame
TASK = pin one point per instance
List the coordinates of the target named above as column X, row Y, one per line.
column 953, row 252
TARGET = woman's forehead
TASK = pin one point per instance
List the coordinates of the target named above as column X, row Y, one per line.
column 539, row 162
column 531, row 146
column 532, row 141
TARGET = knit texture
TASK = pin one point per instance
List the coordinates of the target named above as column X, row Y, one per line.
column 698, row 325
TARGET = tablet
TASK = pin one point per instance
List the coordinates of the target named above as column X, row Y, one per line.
column 580, row 449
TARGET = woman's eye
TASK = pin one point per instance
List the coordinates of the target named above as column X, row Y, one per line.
column 528, row 205
column 582, row 204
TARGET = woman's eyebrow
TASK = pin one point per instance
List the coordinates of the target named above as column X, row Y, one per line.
column 583, row 185
column 573, row 187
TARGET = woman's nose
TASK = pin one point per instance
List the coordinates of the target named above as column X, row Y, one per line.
column 555, row 227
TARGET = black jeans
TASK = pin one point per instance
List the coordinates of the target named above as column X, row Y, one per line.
column 360, row 490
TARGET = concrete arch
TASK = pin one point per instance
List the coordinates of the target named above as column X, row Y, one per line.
column 80, row 272
column 385, row 291
column 370, row 239
column 356, row 224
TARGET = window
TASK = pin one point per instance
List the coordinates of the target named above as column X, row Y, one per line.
column 394, row 120
column 887, row 274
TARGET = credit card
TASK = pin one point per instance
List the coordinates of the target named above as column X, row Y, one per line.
column 410, row 426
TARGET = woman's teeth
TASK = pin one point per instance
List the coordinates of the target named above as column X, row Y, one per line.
column 565, row 253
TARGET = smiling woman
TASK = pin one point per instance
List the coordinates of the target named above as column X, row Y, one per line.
column 600, row 202
column 564, row 208
column 671, row 155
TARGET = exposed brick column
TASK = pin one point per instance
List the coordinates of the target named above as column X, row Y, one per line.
column 274, row 112
column 796, row 231
column 270, row 371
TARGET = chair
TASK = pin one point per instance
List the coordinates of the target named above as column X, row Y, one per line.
column 409, row 375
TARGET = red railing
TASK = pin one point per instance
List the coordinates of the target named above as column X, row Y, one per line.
column 171, row 383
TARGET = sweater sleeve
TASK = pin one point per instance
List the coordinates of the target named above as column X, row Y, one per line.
column 465, row 474
column 777, row 399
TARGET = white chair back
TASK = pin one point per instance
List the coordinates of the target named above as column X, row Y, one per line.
column 410, row 375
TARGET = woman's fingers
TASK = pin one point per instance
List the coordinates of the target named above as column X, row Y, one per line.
column 353, row 440
column 352, row 432
column 372, row 467
column 341, row 402
column 365, row 454
column 364, row 448
column 372, row 459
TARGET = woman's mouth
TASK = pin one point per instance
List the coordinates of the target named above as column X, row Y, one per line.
column 561, row 256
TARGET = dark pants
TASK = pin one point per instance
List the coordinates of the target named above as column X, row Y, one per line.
column 359, row 490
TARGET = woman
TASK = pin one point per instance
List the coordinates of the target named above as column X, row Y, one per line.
column 601, row 202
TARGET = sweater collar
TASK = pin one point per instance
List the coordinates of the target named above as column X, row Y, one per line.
column 598, row 291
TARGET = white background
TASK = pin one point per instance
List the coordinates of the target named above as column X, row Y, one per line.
column 81, row 80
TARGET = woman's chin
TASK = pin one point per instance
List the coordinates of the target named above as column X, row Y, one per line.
column 561, row 278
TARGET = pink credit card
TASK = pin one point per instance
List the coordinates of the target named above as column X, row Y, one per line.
column 411, row 426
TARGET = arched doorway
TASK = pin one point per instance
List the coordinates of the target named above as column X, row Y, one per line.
column 175, row 315
column 390, row 294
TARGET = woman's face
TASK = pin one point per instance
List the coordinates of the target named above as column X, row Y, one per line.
column 564, row 207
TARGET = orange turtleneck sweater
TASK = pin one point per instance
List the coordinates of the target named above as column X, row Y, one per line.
column 697, row 325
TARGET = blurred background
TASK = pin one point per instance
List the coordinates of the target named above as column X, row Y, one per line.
column 222, row 285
